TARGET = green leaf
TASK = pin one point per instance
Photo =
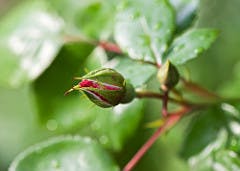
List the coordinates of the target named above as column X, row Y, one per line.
column 227, row 159
column 138, row 74
column 212, row 140
column 112, row 127
column 186, row 12
column 93, row 18
column 144, row 28
column 64, row 153
column 215, row 156
column 30, row 40
column 190, row 45
column 205, row 160
column 203, row 130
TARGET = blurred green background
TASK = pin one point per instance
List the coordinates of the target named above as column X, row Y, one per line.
column 19, row 121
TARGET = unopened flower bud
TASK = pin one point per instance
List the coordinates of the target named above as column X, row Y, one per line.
column 168, row 76
column 105, row 87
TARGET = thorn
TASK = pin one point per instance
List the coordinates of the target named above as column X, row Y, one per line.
column 77, row 78
column 69, row 91
column 76, row 87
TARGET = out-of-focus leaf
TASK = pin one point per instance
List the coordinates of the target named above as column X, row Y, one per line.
column 50, row 86
column 190, row 45
column 212, row 141
column 64, row 153
column 202, row 131
column 143, row 28
column 186, row 12
column 93, row 18
column 226, row 159
column 114, row 126
column 204, row 160
column 138, row 73
column 215, row 156
column 234, row 144
column 30, row 40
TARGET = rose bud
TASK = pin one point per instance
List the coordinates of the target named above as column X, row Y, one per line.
column 105, row 87
column 168, row 76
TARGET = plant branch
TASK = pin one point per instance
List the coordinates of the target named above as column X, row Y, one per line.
column 74, row 38
column 165, row 104
column 150, row 94
column 197, row 89
column 109, row 46
column 170, row 121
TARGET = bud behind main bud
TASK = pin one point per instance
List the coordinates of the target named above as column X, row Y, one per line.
column 168, row 76
column 105, row 87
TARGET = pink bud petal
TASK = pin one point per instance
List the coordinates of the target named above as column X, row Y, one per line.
column 89, row 83
column 111, row 87
column 95, row 84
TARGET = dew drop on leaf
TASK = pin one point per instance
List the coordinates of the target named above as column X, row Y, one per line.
column 95, row 126
column 123, row 5
column 135, row 15
column 178, row 48
column 51, row 125
column 146, row 39
column 55, row 164
column 198, row 50
column 103, row 139
column 158, row 26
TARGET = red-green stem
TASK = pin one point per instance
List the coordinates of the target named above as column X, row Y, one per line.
column 73, row 38
column 150, row 94
column 164, row 104
column 170, row 121
column 109, row 46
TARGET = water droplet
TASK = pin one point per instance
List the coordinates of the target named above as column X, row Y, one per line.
column 52, row 125
column 135, row 15
column 168, row 31
column 163, row 48
column 198, row 50
column 103, row 139
column 123, row 5
column 146, row 39
column 95, row 126
column 158, row 26
column 178, row 48
column 55, row 164
column 234, row 142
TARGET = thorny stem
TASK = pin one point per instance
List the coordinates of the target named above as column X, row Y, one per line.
column 170, row 121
